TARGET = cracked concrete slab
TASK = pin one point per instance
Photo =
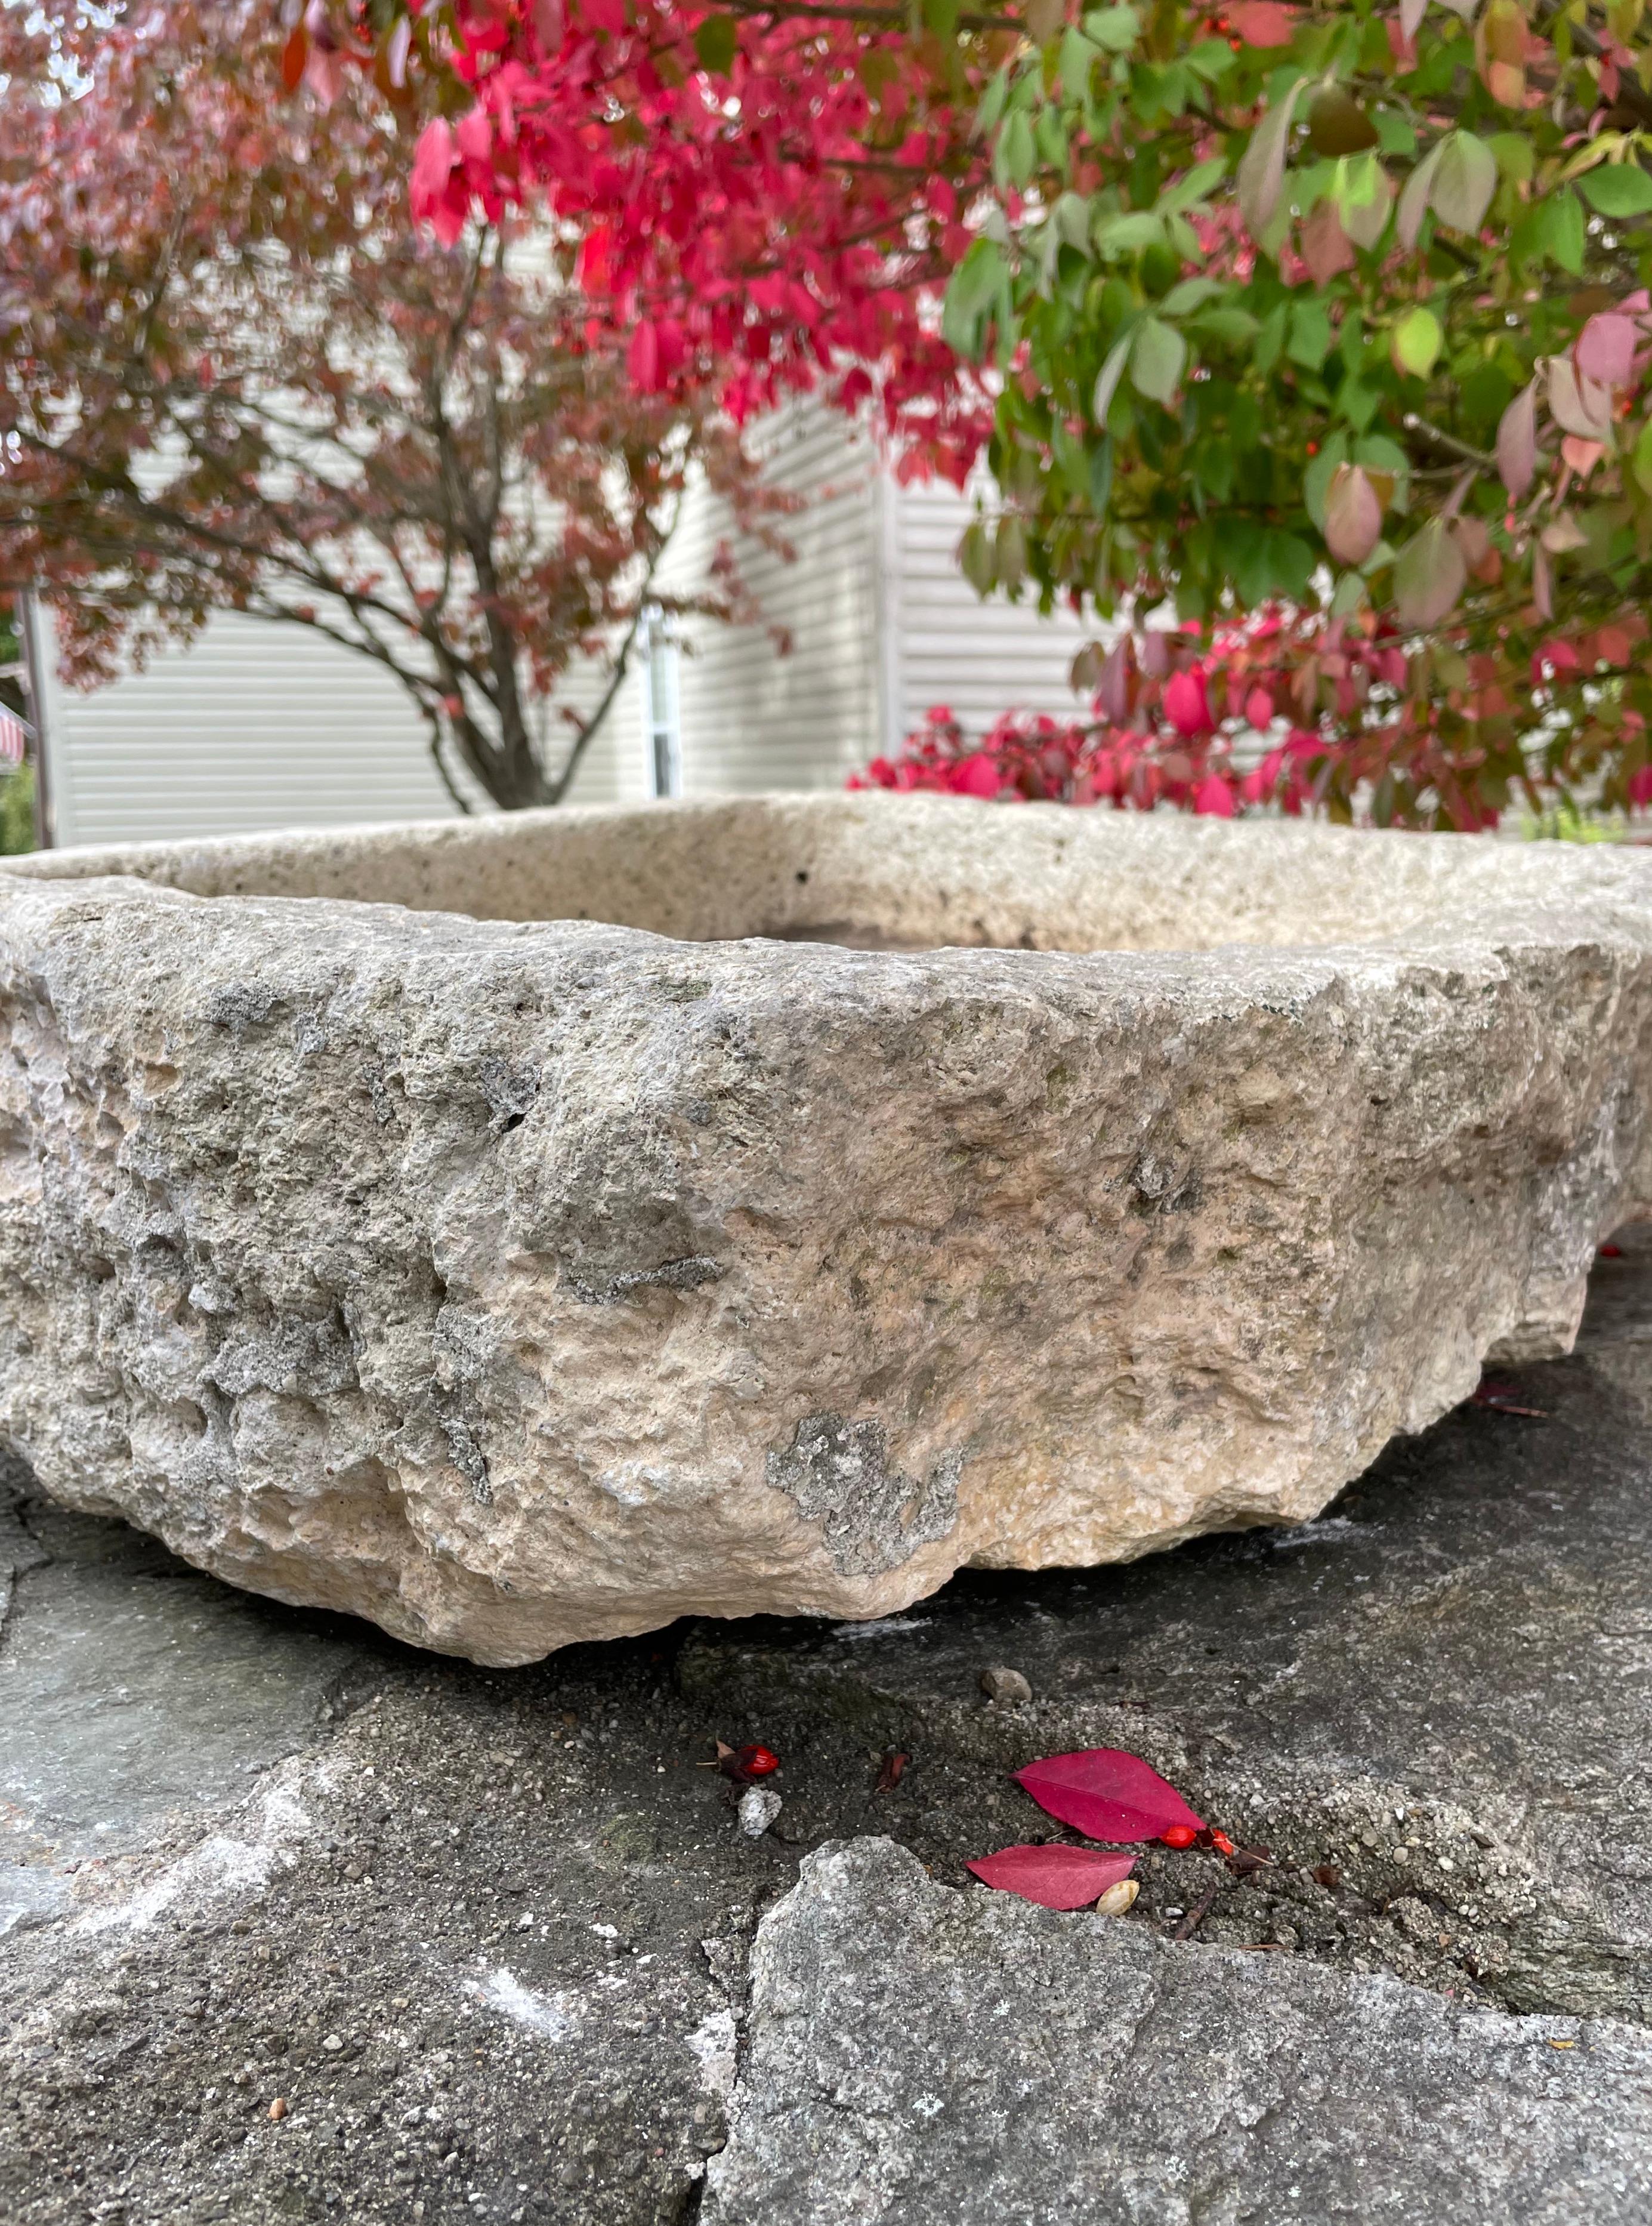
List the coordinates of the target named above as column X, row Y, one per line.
column 525, row 1916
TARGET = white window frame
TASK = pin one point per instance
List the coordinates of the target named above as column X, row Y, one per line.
column 662, row 714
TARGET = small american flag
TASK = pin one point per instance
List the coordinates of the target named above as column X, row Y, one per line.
column 13, row 739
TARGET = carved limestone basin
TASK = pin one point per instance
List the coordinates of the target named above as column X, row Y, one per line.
column 534, row 1229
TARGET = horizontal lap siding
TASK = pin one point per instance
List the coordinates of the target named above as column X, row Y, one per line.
column 978, row 658
column 754, row 718
column 255, row 726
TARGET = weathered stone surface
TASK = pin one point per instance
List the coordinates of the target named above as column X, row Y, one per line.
column 514, row 1283
column 1433, row 1706
column 353, row 1850
column 953, row 2059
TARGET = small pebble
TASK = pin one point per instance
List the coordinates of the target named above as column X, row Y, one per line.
column 1001, row 1684
column 759, row 1807
column 333, row 2043
column 279, row 2107
column 1118, row 1899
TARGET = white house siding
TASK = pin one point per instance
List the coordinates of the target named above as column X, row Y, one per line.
column 942, row 643
column 751, row 718
column 254, row 725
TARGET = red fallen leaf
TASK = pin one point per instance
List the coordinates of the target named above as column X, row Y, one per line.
column 890, row 1775
column 1055, row 1877
column 1107, row 1794
column 1609, row 1252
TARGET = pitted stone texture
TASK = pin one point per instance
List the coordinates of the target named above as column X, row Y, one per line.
column 961, row 2059
column 519, row 1283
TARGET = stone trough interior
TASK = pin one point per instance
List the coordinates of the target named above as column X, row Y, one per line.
column 868, row 872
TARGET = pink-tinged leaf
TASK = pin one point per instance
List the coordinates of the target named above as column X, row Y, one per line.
column 1259, row 709
column 1605, row 351
column 1113, row 694
column 1054, row 1876
column 1261, row 173
column 1542, row 584
column 1353, row 515
column 1517, row 442
column 1429, row 576
column 1413, row 197
column 1326, row 248
column 1262, row 22
column 1577, row 404
column 1563, row 534
column 1107, row 1793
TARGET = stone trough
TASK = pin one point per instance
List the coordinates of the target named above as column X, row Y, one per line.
column 534, row 1229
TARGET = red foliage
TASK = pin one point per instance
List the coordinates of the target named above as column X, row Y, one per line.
column 1055, row 1877
column 1107, row 1794
column 1284, row 710
column 230, row 383
column 769, row 191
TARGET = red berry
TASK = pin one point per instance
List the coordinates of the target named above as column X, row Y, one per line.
column 757, row 1761
column 1222, row 1843
column 1178, row 1836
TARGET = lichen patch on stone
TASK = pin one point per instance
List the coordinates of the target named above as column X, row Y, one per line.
column 872, row 1517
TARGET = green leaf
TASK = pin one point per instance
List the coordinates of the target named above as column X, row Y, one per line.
column 1078, row 57
column 1416, row 341
column 714, row 43
column 1015, row 155
column 1310, row 335
column 1191, row 294
column 1129, row 233
column 1516, row 157
column 1229, row 327
column 1618, row 189
column 1158, row 359
column 992, row 105
column 1107, row 383
column 977, row 559
column 1564, row 235
column 1115, row 28
column 1641, row 460
column 1465, row 181
column 1200, row 182
column 1270, row 337
column 1212, row 59
column 974, row 285
column 1010, row 561
column 1357, row 402
column 1071, row 217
